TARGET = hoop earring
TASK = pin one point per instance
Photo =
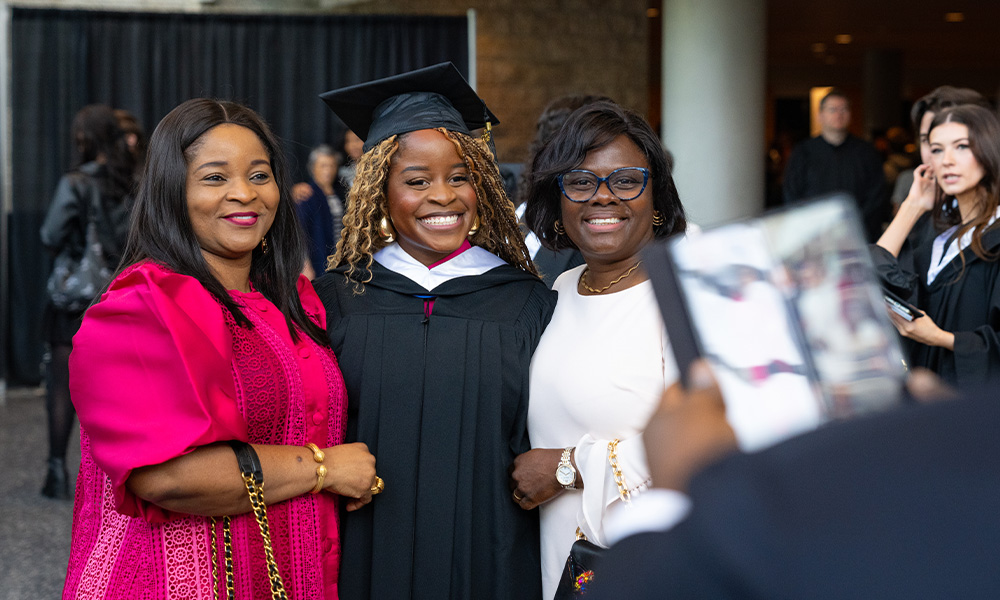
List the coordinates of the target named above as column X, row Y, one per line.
column 385, row 231
column 263, row 245
column 475, row 226
column 658, row 218
column 558, row 228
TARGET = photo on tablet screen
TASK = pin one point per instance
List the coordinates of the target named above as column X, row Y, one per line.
column 786, row 310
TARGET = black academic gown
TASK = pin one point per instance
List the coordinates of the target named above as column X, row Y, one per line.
column 964, row 302
column 897, row 506
column 440, row 395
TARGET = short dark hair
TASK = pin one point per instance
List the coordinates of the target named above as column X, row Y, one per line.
column 591, row 127
column 942, row 98
column 161, row 228
column 834, row 93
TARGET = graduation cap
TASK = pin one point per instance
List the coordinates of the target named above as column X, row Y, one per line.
column 435, row 96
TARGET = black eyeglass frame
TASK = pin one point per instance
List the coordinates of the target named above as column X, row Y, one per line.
column 606, row 181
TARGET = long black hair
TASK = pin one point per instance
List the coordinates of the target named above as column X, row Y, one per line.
column 591, row 127
column 161, row 226
column 97, row 136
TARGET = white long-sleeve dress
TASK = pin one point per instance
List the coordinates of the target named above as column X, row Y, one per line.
column 597, row 375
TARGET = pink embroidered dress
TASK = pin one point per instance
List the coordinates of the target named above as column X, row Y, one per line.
column 159, row 368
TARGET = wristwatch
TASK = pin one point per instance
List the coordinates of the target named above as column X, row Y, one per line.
column 566, row 472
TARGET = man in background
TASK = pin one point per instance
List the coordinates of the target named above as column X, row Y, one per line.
column 836, row 161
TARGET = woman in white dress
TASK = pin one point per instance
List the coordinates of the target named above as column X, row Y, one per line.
column 601, row 185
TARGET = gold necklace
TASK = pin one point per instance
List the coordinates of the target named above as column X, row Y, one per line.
column 583, row 279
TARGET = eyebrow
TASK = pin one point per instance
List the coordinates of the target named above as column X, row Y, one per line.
column 958, row 141
column 425, row 168
column 223, row 163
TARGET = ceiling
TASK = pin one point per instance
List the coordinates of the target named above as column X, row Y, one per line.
column 929, row 50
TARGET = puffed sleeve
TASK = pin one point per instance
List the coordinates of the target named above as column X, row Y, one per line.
column 151, row 377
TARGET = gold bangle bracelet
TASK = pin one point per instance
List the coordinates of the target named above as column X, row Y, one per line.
column 319, row 457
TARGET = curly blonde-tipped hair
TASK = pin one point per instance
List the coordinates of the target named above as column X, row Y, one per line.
column 367, row 204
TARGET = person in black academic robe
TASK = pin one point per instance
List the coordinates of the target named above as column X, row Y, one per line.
column 901, row 505
column 929, row 256
column 433, row 311
column 965, row 301
column 441, row 401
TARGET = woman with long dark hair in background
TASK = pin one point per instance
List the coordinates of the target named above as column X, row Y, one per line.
column 98, row 188
column 952, row 273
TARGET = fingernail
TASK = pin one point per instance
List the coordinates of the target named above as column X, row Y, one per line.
column 700, row 376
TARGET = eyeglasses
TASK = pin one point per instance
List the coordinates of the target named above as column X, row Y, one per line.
column 626, row 183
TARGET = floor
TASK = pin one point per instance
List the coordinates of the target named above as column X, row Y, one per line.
column 34, row 530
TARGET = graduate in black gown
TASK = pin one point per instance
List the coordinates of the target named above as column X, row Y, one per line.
column 433, row 311
column 951, row 271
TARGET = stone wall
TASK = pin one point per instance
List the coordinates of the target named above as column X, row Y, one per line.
column 531, row 51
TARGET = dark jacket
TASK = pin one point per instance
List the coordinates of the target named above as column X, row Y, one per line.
column 902, row 506
column 65, row 226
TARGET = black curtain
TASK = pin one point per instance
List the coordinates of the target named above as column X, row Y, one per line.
column 148, row 63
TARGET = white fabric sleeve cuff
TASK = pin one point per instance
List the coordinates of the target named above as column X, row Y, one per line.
column 656, row 509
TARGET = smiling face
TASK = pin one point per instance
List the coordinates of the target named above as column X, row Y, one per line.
column 231, row 198
column 955, row 166
column 432, row 202
column 605, row 229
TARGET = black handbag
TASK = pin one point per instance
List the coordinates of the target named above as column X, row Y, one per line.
column 578, row 573
column 584, row 555
column 76, row 280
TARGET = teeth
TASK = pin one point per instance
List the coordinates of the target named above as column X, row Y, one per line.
column 447, row 220
column 244, row 218
column 608, row 221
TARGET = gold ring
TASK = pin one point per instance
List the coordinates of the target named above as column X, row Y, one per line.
column 516, row 499
column 378, row 486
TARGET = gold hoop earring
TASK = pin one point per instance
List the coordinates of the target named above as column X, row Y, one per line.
column 475, row 226
column 658, row 218
column 558, row 228
column 385, row 231
column 263, row 245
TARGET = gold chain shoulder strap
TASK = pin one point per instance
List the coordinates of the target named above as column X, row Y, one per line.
column 253, row 479
column 626, row 496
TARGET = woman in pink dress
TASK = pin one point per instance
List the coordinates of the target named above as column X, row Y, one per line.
column 207, row 339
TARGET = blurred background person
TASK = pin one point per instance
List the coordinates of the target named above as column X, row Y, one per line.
column 602, row 185
column 836, row 161
column 921, row 115
column 98, row 189
column 951, row 273
column 135, row 136
column 321, row 214
column 353, row 149
column 208, row 342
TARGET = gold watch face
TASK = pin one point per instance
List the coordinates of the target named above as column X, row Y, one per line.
column 565, row 475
